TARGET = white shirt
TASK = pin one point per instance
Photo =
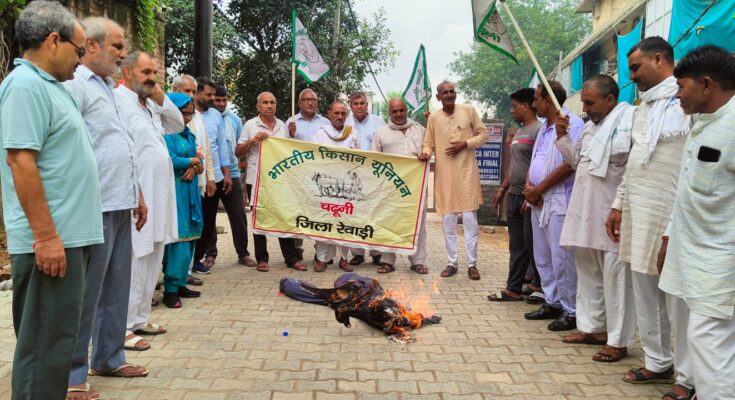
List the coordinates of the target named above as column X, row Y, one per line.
column 147, row 125
column 700, row 259
column 306, row 128
column 351, row 142
column 249, row 130
column 367, row 128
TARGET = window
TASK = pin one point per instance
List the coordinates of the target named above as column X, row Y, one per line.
column 658, row 18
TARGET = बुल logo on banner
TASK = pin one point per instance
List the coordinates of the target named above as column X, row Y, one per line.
column 342, row 196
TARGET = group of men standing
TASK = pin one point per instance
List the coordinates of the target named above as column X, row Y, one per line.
column 607, row 196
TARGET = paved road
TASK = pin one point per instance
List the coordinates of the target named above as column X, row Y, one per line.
column 229, row 344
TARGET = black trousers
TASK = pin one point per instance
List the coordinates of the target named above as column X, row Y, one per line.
column 290, row 252
column 520, row 243
column 235, row 213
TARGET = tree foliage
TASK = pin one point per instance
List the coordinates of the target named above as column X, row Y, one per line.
column 550, row 26
column 252, row 41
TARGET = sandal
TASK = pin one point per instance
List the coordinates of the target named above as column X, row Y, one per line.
column 473, row 273
column 536, row 298
column 171, row 300
column 320, row 266
column 344, row 265
column 501, row 295
column 386, row 268
column 584, row 338
column 134, row 342
column 639, row 378
column 419, row 269
column 672, row 395
column 247, row 261
column 138, row 372
column 151, row 329
column 262, row 267
column 85, row 393
column 450, row 270
column 298, row 266
column 610, row 354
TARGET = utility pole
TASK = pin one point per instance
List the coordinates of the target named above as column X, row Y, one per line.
column 203, row 38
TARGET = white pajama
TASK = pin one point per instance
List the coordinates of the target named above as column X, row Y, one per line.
column 326, row 251
column 605, row 296
column 418, row 258
column 657, row 314
column 712, row 352
column 471, row 235
column 143, row 278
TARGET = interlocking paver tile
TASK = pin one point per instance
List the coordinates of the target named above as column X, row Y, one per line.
column 230, row 343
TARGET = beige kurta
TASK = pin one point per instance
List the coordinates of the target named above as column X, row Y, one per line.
column 646, row 196
column 589, row 205
column 456, row 179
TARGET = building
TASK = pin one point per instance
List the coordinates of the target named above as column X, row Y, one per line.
column 598, row 53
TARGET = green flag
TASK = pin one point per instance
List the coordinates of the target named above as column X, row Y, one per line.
column 490, row 29
column 309, row 63
column 418, row 91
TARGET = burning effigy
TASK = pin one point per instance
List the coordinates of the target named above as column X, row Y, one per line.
column 362, row 298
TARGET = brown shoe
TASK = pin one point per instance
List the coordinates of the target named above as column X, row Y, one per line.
column 248, row 261
column 345, row 265
column 473, row 273
column 320, row 266
column 450, row 270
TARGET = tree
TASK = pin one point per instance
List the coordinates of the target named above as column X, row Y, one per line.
column 253, row 48
column 549, row 26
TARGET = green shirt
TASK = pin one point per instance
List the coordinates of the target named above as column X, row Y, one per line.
column 36, row 113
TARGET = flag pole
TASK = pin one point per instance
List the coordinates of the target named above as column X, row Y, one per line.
column 541, row 74
column 293, row 89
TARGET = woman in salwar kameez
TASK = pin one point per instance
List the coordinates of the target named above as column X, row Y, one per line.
column 182, row 147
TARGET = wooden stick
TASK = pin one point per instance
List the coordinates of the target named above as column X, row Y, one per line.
column 530, row 54
column 293, row 89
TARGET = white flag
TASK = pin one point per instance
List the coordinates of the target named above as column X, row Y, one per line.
column 309, row 63
column 418, row 91
column 489, row 28
column 534, row 80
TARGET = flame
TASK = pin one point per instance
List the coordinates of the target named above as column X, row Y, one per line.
column 416, row 298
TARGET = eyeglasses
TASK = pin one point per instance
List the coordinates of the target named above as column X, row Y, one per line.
column 308, row 100
column 81, row 51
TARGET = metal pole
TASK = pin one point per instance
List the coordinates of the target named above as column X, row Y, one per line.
column 541, row 74
column 203, row 38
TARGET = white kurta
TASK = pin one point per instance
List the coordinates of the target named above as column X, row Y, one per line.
column 148, row 124
column 646, row 195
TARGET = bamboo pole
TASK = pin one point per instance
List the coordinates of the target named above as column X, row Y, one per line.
column 293, row 89
column 541, row 74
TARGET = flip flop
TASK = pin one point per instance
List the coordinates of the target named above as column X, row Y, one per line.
column 132, row 344
column 87, row 389
column 117, row 372
column 502, row 296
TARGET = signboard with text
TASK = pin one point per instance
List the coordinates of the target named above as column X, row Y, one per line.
column 489, row 157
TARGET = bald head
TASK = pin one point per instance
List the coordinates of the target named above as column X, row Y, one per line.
column 398, row 111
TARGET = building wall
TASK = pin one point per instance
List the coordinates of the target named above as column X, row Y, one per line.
column 122, row 12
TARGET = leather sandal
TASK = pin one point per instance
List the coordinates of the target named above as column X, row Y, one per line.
column 610, row 354
column 672, row 395
column 639, row 378
column 386, row 268
column 298, row 266
column 473, row 273
column 450, row 270
column 320, row 266
column 262, row 266
column 419, row 269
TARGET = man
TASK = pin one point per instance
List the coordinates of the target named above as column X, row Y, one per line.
column 107, row 280
column 233, row 199
column 303, row 126
column 699, row 240
column 403, row 136
column 307, row 122
column 642, row 209
column 338, row 134
column 548, row 188
column 604, row 288
column 213, row 124
column 453, row 133
column 149, row 114
column 51, row 201
column 520, row 232
column 255, row 131
column 366, row 124
column 188, row 85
